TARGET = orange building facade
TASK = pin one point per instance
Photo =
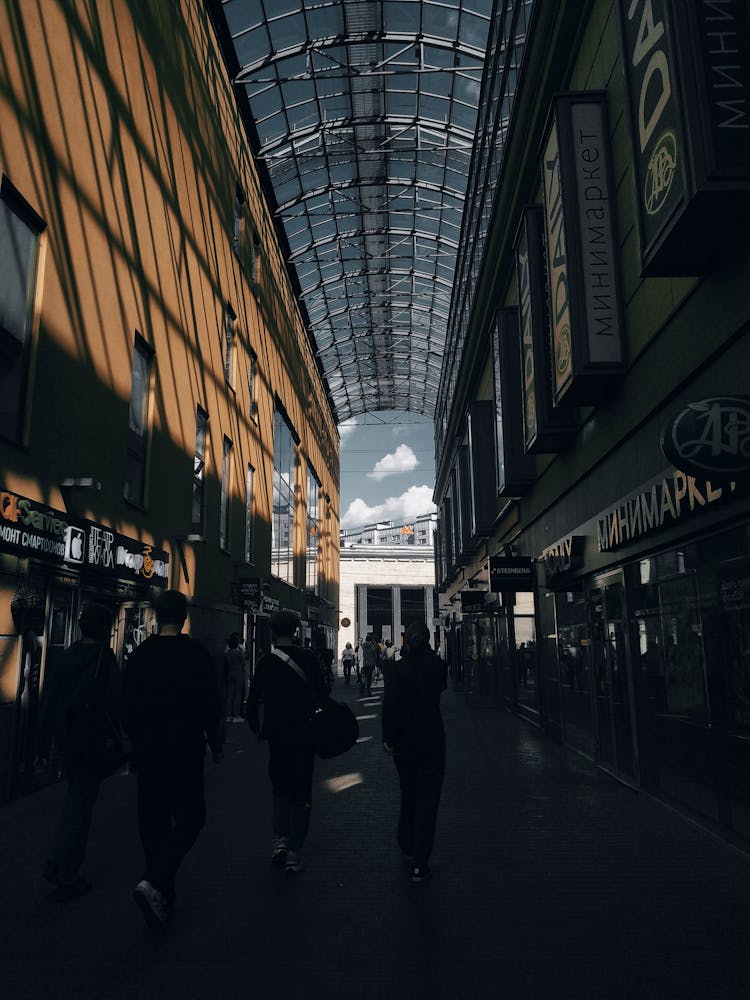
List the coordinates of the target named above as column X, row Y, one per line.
column 163, row 422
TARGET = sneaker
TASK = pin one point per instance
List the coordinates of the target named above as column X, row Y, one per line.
column 152, row 905
column 71, row 890
column 279, row 851
column 420, row 873
column 294, row 862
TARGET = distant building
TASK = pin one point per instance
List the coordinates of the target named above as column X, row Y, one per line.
column 387, row 580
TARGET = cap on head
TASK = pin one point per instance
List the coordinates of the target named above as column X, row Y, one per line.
column 95, row 622
column 417, row 634
column 284, row 624
column 170, row 607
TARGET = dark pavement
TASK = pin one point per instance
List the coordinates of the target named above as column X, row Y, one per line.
column 551, row 880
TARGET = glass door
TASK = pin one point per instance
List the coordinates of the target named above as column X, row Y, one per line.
column 612, row 681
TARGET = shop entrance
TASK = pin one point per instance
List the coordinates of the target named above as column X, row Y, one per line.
column 612, row 678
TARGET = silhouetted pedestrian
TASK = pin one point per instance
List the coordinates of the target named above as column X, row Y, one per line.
column 287, row 681
column 370, row 660
column 413, row 731
column 81, row 693
column 347, row 661
column 234, row 678
column 171, row 709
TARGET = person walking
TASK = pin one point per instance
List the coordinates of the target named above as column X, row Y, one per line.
column 234, row 677
column 370, row 660
column 413, row 732
column 347, row 662
column 171, row 710
column 86, row 675
column 287, row 681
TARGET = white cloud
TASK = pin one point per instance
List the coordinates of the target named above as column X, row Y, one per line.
column 402, row 459
column 347, row 428
column 416, row 500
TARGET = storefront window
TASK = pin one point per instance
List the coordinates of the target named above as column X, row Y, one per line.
column 524, row 628
column 575, row 669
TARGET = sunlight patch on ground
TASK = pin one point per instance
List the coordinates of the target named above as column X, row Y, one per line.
column 343, row 782
column 361, row 718
column 364, row 739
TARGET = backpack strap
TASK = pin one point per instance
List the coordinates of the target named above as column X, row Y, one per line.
column 284, row 657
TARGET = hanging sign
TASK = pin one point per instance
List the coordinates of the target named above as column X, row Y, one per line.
column 472, row 601
column 587, row 346
column 515, row 469
column 511, row 573
column 546, row 428
column 687, row 68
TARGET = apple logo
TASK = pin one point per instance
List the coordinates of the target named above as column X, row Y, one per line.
column 76, row 548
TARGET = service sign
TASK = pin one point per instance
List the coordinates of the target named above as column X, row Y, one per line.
column 515, row 469
column 710, row 439
column 472, row 601
column 546, row 428
column 28, row 528
column 582, row 268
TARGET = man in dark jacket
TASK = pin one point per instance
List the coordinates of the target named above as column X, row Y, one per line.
column 413, row 732
column 287, row 701
column 171, row 709
column 87, row 672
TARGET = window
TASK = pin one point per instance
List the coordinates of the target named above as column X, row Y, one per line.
column 239, row 219
column 249, row 514
column 197, row 520
column 137, row 441
column 230, row 320
column 19, row 249
column 252, row 372
column 313, row 532
column 282, row 529
column 255, row 259
column 226, row 486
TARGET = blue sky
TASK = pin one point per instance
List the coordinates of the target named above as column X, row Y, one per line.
column 387, row 468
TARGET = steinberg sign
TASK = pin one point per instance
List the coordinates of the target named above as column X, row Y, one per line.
column 586, row 325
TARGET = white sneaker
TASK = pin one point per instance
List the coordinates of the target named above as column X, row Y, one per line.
column 279, row 851
column 295, row 862
column 152, row 905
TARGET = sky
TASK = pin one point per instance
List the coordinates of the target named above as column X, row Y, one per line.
column 387, row 468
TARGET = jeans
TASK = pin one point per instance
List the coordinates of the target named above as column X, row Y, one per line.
column 421, row 780
column 290, row 767
column 72, row 833
column 171, row 814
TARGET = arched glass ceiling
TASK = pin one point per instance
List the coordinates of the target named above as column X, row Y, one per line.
column 365, row 112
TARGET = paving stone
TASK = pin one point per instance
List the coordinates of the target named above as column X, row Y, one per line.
column 550, row 880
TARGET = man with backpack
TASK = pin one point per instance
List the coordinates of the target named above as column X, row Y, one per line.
column 370, row 660
column 287, row 681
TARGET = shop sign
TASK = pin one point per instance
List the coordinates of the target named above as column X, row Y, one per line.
column 657, row 505
column 472, row 601
column 565, row 556
column 32, row 529
column 586, row 324
column 269, row 604
column 711, row 438
column 482, row 483
column 515, row 469
column 248, row 591
column 687, row 66
column 546, row 428
column 511, row 573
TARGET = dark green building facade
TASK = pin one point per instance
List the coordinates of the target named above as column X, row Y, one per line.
column 593, row 423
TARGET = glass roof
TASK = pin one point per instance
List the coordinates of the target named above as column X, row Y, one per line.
column 365, row 112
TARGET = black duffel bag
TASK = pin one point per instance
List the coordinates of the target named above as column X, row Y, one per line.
column 334, row 728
